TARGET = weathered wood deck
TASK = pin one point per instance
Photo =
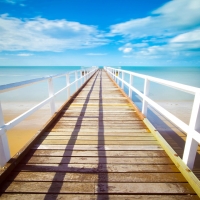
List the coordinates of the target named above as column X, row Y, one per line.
column 98, row 148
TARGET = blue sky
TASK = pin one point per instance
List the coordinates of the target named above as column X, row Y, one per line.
column 100, row 32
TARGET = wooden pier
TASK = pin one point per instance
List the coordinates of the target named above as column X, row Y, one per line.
column 96, row 147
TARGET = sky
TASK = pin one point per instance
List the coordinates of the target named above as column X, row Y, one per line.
column 100, row 32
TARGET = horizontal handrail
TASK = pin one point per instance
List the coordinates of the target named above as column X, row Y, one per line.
column 13, row 86
column 192, row 130
column 26, row 114
column 175, row 85
column 4, row 149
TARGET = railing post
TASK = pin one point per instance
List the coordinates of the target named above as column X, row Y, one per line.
column 76, row 78
column 68, row 82
column 81, row 75
column 130, row 83
column 118, row 77
column 51, row 94
column 191, row 145
column 146, row 92
column 4, row 147
column 123, row 80
column 84, row 76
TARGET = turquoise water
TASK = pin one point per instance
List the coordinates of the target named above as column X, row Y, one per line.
column 184, row 75
column 15, row 74
column 37, row 92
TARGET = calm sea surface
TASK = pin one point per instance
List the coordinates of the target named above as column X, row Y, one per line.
column 37, row 92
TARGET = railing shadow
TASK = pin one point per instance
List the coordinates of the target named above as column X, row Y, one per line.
column 71, row 142
column 102, row 177
column 173, row 139
column 168, row 132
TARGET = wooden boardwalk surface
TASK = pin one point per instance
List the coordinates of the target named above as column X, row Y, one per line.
column 98, row 148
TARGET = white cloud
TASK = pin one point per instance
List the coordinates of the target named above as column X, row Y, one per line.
column 24, row 54
column 96, row 54
column 125, row 49
column 172, row 30
column 173, row 18
column 129, row 47
column 192, row 36
column 11, row 1
column 40, row 34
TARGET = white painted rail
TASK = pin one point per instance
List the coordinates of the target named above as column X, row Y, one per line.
column 79, row 78
column 192, row 130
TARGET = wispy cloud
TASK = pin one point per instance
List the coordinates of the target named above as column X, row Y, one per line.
column 25, row 54
column 168, row 20
column 96, row 54
column 13, row 2
column 173, row 27
column 40, row 34
column 126, row 49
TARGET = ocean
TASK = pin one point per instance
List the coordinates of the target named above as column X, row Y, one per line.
column 184, row 75
column 37, row 92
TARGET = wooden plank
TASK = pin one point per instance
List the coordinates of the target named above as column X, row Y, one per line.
column 97, row 123
column 97, row 137
column 144, row 188
column 99, row 118
column 102, row 98
column 97, row 129
column 105, row 122
column 100, row 147
column 96, row 160
column 95, row 197
column 99, row 113
column 102, row 127
column 116, row 188
column 94, row 142
column 101, row 177
column 88, row 153
column 96, row 108
column 98, row 89
column 82, row 100
column 111, row 105
column 97, row 168
column 93, row 133
column 96, row 95
column 45, row 187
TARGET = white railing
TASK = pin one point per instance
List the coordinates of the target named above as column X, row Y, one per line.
column 84, row 75
column 192, row 130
